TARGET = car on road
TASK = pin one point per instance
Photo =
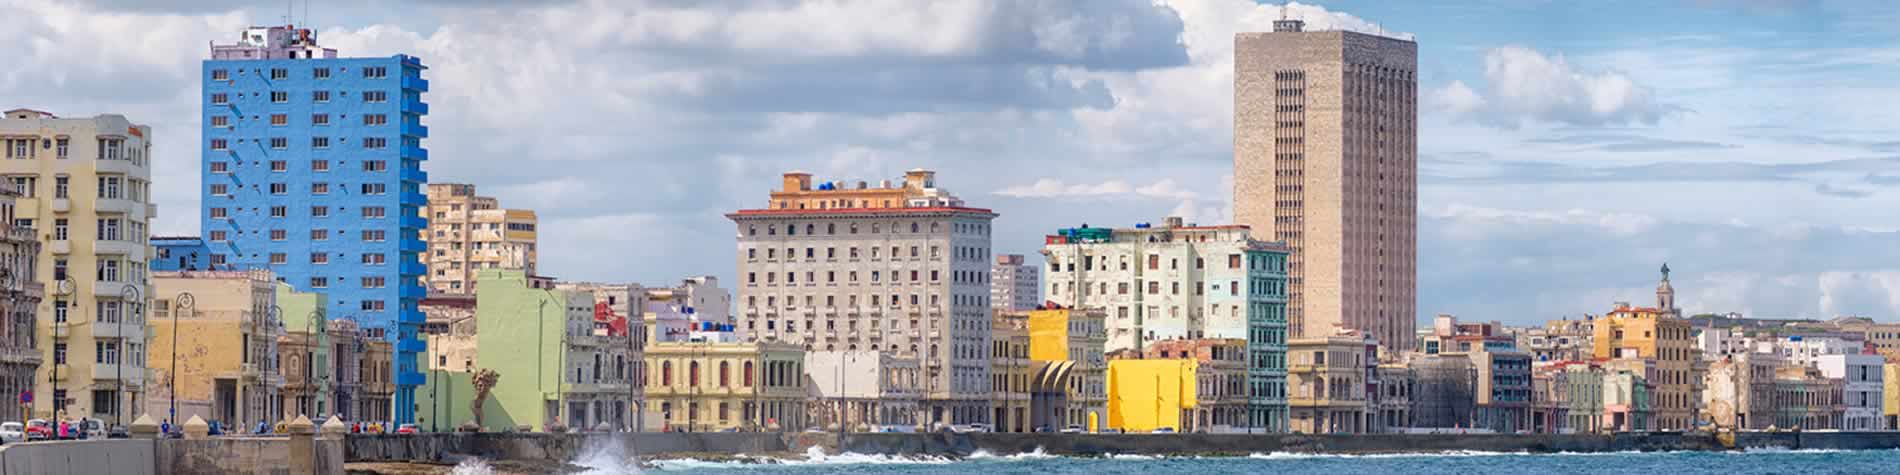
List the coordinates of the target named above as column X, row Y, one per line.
column 90, row 428
column 39, row 429
column 1163, row 430
column 407, row 429
column 970, row 428
column 11, row 432
column 1072, row 429
column 118, row 432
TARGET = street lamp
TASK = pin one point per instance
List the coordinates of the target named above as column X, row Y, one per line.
column 65, row 289
column 184, row 301
column 310, row 351
column 131, row 297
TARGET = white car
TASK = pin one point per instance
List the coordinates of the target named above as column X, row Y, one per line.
column 970, row 428
column 1072, row 429
column 12, row 432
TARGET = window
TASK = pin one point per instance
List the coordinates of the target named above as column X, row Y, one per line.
column 320, row 73
column 372, row 305
column 220, row 145
column 375, row 188
column 319, row 234
column 278, row 258
column 375, row 165
column 109, row 269
column 278, row 235
column 320, row 96
column 376, row 72
column 374, row 143
column 279, row 143
column 219, row 99
column 375, row 96
column 319, row 142
column 373, row 212
column 220, row 121
column 220, row 75
column 25, row 184
column 59, row 229
column 374, row 259
column 319, row 212
column 279, row 166
column 220, row 167
column 319, row 188
column 59, row 357
column 319, row 119
column 278, row 74
column 279, row 212
column 374, row 235
column 319, row 165
column 110, row 188
column 61, row 146
column 279, row 97
column 373, row 282
column 375, row 119
column 279, row 189
column 220, row 213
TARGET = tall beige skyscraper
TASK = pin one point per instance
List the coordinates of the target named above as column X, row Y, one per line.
column 1325, row 158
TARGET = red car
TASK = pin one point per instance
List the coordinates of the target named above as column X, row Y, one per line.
column 407, row 429
column 39, row 429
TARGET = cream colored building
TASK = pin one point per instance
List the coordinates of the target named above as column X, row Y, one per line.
column 897, row 268
column 467, row 233
column 1010, row 373
column 867, row 389
column 226, row 347
column 1326, row 385
column 1326, row 160
column 85, row 189
column 706, row 387
column 22, row 293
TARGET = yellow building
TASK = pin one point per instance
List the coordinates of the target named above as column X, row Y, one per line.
column 1010, row 372
column 1144, row 395
column 1656, row 335
column 225, row 343
column 1070, row 386
column 1890, row 393
column 467, row 233
column 85, row 188
column 1326, row 385
column 705, row 387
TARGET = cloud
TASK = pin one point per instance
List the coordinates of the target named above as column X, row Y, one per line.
column 1523, row 85
column 1632, row 143
column 1166, row 188
column 1444, row 169
column 1614, row 223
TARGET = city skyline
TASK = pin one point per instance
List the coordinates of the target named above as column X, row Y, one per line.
column 1558, row 164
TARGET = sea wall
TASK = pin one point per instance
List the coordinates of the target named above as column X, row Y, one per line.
column 450, row 448
column 78, row 457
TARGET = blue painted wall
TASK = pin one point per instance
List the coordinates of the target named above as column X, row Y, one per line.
column 256, row 208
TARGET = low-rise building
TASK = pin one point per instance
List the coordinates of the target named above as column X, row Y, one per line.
column 1443, row 392
column 1391, row 404
column 1627, row 393
column 1550, row 400
column 1150, row 394
column 705, row 386
column 1557, row 340
column 1326, row 384
column 220, row 350
column 1890, row 394
column 863, row 390
column 1740, row 392
column 1070, row 386
column 1220, row 380
column 176, row 253
column 1807, row 400
column 1583, row 397
column 22, row 293
column 1449, row 336
column 1503, row 391
column 1861, row 388
column 1010, row 373
column 449, row 328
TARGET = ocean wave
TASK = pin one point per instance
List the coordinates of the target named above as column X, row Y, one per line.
column 472, row 466
column 982, row 454
column 813, row 456
column 1448, row 453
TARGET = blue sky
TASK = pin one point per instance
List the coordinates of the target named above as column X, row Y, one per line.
column 1567, row 149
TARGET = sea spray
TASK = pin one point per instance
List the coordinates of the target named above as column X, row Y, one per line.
column 606, row 456
column 472, row 466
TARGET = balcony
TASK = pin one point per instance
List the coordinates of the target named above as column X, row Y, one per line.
column 414, row 268
column 415, row 83
column 413, row 290
column 61, row 247
column 410, row 379
column 415, row 175
column 114, row 288
column 414, row 222
column 414, row 152
column 128, row 249
column 414, row 129
column 133, row 374
column 412, row 346
column 127, row 329
column 412, row 244
column 123, row 167
column 61, row 205
column 415, row 106
column 415, row 198
column 113, row 205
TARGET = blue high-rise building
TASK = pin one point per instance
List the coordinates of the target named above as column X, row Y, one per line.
column 313, row 169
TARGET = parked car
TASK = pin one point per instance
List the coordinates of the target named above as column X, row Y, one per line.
column 118, row 432
column 1163, row 430
column 90, row 428
column 12, row 432
column 406, row 429
column 1044, row 429
column 969, row 428
column 1112, row 431
column 1072, row 429
column 39, row 429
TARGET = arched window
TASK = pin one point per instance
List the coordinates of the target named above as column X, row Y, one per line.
column 913, row 226
column 666, row 373
column 725, row 374
column 748, row 374
column 692, row 374
column 810, row 229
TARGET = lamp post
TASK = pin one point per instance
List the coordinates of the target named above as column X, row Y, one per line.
column 310, row 366
column 66, row 288
column 264, row 354
column 184, row 301
column 131, row 297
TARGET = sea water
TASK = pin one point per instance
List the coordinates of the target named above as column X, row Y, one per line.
column 1460, row 463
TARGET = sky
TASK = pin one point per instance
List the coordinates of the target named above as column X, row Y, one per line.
column 1567, row 149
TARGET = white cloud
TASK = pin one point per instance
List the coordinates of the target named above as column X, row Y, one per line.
column 1623, row 224
column 1524, row 85
column 1166, row 188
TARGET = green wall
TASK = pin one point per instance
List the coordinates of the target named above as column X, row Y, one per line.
column 518, row 334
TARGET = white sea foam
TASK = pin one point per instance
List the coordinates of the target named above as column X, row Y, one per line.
column 472, row 466
column 602, row 456
column 1308, row 455
column 981, row 454
column 1132, row 457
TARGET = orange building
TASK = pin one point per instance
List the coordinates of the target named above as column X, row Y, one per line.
column 1661, row 335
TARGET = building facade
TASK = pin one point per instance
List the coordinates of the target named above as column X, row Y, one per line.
column 1070, row 386
column 176, row 253
column 903, row 269
column 1862, row 384
column 1326, row 160
column 19, row 317
column 559, row 366
column 1739, row 391
column 861, row 391
column 707, row 387
column 85, row 190
column 1504, row 391
column 225, row 344
column 468, row 233
column 1015, row 285
column 1657, row 335
column 1807, row 400
column 313, row 169
column 1011, row 371
column 1326, row 382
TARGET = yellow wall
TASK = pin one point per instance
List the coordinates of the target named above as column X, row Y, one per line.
column 207, row 349
column 1144, row 395
column 1891, row 393
column 1049, row 335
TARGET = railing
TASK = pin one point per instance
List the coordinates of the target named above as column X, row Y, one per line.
column 415, row 83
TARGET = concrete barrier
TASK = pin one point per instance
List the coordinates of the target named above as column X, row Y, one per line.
column 79, row 457
column 452, row 447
